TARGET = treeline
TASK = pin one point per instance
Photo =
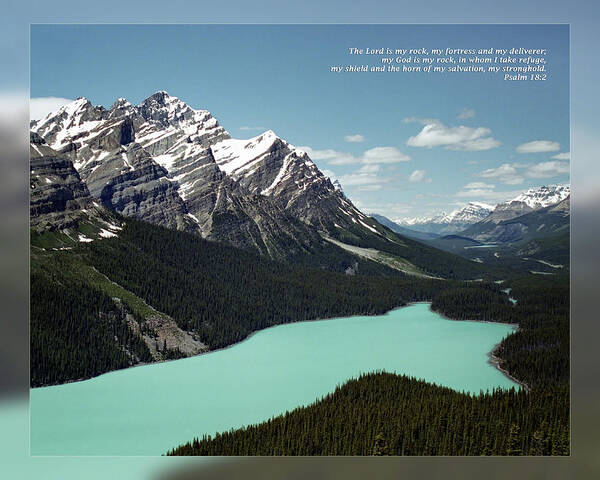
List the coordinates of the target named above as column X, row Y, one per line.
column 224, row 293
column 476, row 301
column 386, row 414
column 76, row 331
column 539, row 353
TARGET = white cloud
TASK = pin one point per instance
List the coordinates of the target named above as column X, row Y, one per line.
column 39, row 107
column 370, row 188
column 365, row 175
column 505, row 173
column 247, row 128
column 419, row 176
column 515, row 173
column 476, row 193
column 538, row 146
column 384, row 155
column 371, row 156
column 477, row 189
column 369, row 168
column 354, row 138
column 485, row 191
column 466, row 113
column 333, row 157
column 436, row 134
column 359, row 178
column 390, row 209
column 562, row 156
column 548, row 169
column 421, row 120
column 479, row 185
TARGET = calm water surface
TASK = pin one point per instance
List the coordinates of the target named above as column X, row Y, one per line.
column 148, row 410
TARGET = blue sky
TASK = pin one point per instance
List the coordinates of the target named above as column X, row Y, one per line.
column 398, row 143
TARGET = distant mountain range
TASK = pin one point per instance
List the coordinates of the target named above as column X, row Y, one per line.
column 528, row 233
column 446, row 223
column 460, row 220
column 550, row 219
column 529, row 201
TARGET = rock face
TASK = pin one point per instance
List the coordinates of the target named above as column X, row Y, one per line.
column 57, row 194
column 61, row 202
column 268, row 166
column 166, row 163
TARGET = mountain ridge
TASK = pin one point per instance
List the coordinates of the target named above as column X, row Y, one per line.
column 460, row 220
column 447, row 223
column 166, row 163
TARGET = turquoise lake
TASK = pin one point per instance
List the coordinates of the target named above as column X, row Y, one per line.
column 150, row 409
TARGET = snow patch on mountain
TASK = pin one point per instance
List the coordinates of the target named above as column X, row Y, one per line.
column 235, row 156
column 544, row 196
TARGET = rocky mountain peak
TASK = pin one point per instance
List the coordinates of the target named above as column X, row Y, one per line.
column 120, row 103
column 544, row 196
column 169, row 164
column 471, row 213
column 528, row 201
column 167, row 111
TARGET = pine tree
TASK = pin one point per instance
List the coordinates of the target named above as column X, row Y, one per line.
column 539, row 442
column 514, row 442
column 380, row 446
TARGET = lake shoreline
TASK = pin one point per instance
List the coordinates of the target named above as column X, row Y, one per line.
column 148, row 411
column 492, row 358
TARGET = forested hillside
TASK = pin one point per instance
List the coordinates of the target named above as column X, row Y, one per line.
column 386, row 414
column 77, row 331
column 225, row 293
column 152, row 270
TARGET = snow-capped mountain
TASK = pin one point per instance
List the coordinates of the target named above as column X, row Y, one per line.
column 543, row 196
column 475, row 212
column 470, row 213
column 447, row 223
column 537, row 212
column 529, row 201
column 172, row 165
column 60, row 200
column 542, row 222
